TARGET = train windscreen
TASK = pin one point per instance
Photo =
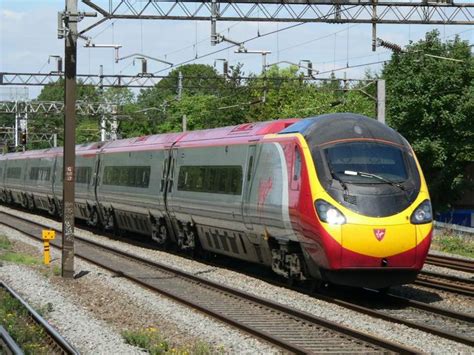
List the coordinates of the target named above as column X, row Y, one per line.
column 366, row 162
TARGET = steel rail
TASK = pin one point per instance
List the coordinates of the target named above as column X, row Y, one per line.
column 373, row 343
column 447, row 283
column 8, row 346
column 60, row 345
column 461, row 317
column 451, row 263
column 352, row 304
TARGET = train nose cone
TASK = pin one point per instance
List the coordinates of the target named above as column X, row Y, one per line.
column 366, row 246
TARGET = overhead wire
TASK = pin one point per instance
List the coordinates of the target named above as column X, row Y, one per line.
column 204, row 39
column 230, row 46
column 233, row 45
column 42, row 67
column 305, row 42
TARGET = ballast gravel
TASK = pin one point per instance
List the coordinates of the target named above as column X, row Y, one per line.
column 424, row 342
column 78, row 326
column 91, row 311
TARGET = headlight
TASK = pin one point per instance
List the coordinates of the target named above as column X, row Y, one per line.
column 329, row 214
column 423, row 213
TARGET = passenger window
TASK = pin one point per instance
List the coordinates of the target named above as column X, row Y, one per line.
column 14, row 173
column 132, row 176
column 211, row 179
column 297, row 165
column 249, row 172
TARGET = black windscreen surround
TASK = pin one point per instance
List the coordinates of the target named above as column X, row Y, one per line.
column 349, row 142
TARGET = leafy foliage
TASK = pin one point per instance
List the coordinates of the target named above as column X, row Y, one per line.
column 14, row 318
column 431, row 102
column 455, row 244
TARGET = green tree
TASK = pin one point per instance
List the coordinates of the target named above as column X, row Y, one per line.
column 207, row 99
column 430, row 101
column 288, row 94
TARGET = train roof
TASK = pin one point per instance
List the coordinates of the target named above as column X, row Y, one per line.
column 319, row 130
column 336, row 127
column 231, row 134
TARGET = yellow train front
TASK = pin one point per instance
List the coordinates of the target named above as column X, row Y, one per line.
column 364, row 216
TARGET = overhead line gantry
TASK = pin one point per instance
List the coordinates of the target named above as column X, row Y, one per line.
column 432, row 12
column 435, row 12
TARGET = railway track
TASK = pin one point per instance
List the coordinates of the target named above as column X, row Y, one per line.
column 56, row 343
column 448, row 283
column 442, row 322
column 283, row 326
column 450, row 262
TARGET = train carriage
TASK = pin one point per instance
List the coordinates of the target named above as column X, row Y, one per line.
column 15, row 167
column 131, row 184
column 3, row 164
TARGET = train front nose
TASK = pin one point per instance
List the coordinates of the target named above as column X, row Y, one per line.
column 378, row 246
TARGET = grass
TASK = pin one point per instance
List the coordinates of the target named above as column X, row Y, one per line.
column 7, row 254
column 148, row 339
column 5, row 243
column 154, row 343
column 454, row 244
column 19, row 258
column 14, row 318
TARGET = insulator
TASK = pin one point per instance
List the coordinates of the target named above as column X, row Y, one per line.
column 389, row 45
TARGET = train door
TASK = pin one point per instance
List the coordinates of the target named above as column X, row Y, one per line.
column 54, row 177
column 95, row 181
column 247, row 207
column 169, row 183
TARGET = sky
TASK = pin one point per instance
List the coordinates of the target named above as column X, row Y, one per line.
column 28, row 36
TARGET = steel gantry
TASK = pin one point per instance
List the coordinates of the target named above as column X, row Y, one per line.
column 435, row 12
column 53, row 107
column 23, row 111
column 41, row 79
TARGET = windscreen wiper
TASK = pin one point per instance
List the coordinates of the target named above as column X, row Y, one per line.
column 335, row 177
column 374, row 176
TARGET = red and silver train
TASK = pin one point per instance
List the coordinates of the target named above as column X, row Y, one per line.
column 338, row 198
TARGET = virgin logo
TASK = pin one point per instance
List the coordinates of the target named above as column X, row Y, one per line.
column 379, row 234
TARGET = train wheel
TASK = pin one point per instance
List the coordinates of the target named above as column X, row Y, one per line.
column 93, row 219
column 159, row 234
column 109, row 220
column 31, row 202
column 52, row 208
column 187, row 238
column 9, row 198
column 24, row 201
column 317, row 286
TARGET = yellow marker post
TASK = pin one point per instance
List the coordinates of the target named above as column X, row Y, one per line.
column 47, row 236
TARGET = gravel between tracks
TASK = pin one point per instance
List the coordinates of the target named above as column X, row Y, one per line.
column 395, row 332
